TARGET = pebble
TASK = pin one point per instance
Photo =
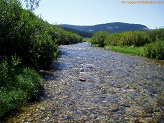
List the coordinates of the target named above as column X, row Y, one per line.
column 82, row 79
column 114, row 107
column 121, row 95
column 81, row 70
column 92, row 116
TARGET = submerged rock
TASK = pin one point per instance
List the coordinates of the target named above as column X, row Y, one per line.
column 92, row 85
column 82, row 79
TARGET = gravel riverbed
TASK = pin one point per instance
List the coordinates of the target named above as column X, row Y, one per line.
column 88, row 84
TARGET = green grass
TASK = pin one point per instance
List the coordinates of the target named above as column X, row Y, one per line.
column 86, row 39
column 17, row 86
column 127, row 50
column 11, row 100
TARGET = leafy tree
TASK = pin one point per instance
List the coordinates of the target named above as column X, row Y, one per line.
column 27, row 43
column 155, row 50
column 152, row 40
column 99, row 38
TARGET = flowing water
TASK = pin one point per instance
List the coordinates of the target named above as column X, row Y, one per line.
column 88, row 84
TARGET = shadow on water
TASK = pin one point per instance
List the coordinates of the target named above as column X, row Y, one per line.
column 47, row 75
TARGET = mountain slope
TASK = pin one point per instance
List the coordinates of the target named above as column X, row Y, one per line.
column 81, row 33
column 109, row 27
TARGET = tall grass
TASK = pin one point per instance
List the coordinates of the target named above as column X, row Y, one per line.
column 17, row 85
column 144, row 43
column 127, row 50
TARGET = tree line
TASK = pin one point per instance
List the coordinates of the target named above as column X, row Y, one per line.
column 151, row 40
column 27, row 44
column 28, row 36
column 81, row 33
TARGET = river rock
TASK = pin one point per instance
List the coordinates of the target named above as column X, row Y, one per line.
column 90, row 85
column 81, row 69
column 82, row 79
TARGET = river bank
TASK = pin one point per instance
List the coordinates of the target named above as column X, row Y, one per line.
column 89, row 84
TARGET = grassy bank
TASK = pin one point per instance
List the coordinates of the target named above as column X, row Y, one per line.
column 148, row 43
column 27, row 44
column 18, row 85
column 127, row 50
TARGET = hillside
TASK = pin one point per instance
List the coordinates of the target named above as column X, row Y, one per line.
column 81, row 33
column 108, row 27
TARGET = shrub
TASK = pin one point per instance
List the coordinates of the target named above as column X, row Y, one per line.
column 155, row 50
column 99, row 38
column 25, row 35
column 26, row 42
column 152, row 40
column 11, row 101
column 17, row 85
column 157, row 34
column 29, row 81
column 137, row 38
column 7, row 72
column 65, row 37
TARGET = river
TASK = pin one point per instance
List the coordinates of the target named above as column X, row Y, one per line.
column 89, row 84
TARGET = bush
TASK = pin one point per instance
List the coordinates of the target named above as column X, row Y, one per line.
column 17, row 85
column 152, row 41
column 29, row 37
column 64, row 37
column 26, row 42
column 11, row 101
column 99, row 38
column 29, row 81
column 155, row 50
column 157, row 34
column 8, row 71
column 137, row 38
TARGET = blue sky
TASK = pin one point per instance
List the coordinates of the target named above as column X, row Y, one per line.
column 91, row 12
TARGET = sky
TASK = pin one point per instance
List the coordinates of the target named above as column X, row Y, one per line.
column 92, row 12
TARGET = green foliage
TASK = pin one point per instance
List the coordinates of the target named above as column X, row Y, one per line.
column 25, row 40
column 81, row 33
column 130, row 42
column 127, row 50
column 86, row 39
column 155, row 50
column 17, row 85
column 29, row 37
column 28, row 81
column 99, row 38
column 138, row 38
column 11, row 100
column 157, row 34
column 7, row 71
column 64, row 37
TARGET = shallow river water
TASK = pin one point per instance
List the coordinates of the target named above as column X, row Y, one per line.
column 88, row 84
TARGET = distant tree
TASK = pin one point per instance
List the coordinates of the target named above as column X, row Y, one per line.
column 99, row 38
